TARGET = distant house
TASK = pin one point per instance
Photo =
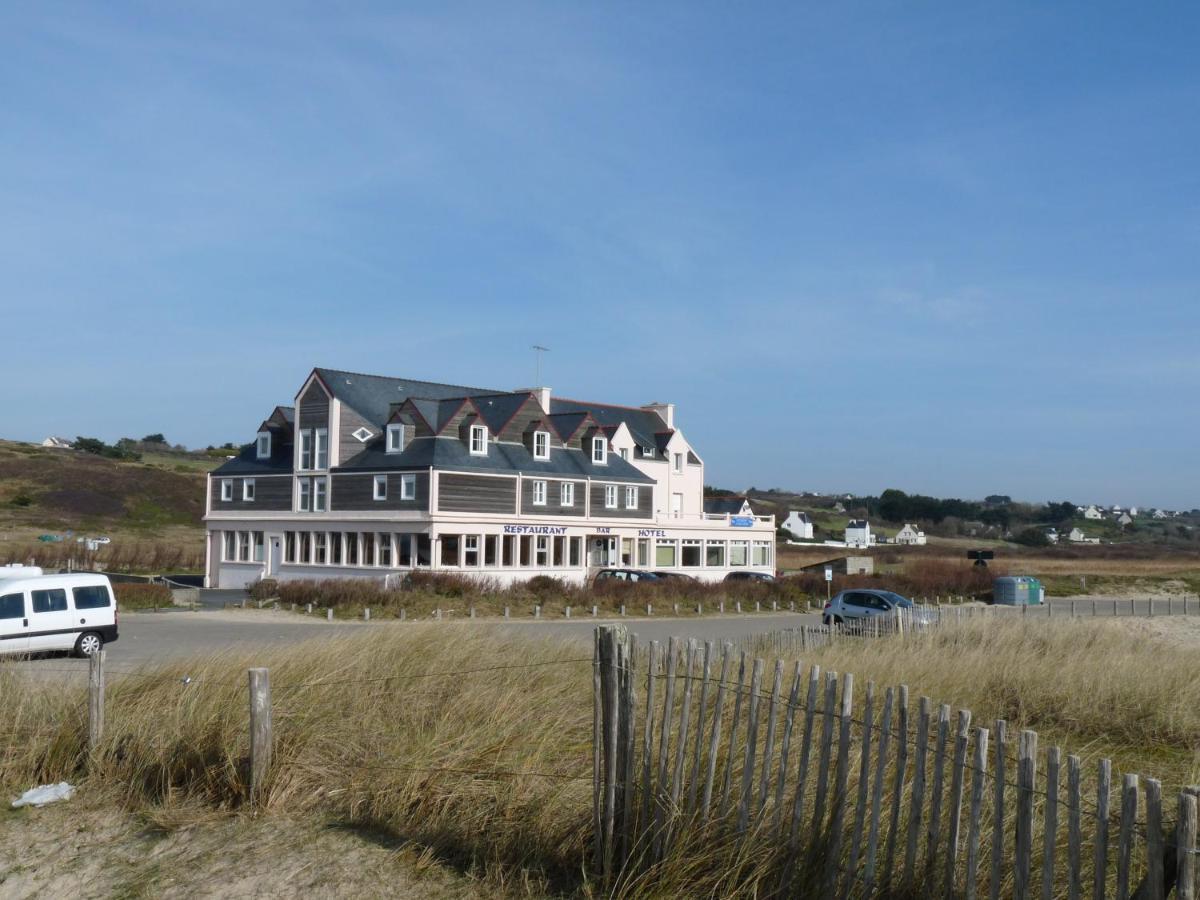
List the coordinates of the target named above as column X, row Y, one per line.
column 727, row 506
column 839, row 508
column 910, row 535
column 1076, row 536
column 1133, row 510
column 1052, row 535
column 1160, row 514
column 858, row 533
column 798, row 525
column 57, row 443
column 1124, row 520
column 1092, row 513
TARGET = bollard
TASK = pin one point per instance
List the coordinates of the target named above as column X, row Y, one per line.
column 506, row 612
column 675, row 609
column 437, row 614
column 1149, row 606
column 593, row 612
column 243, row 605
column 737, row 606
column 568, row 612
column 260, row 730
column 774, row 606
column 308, row 609
column 293, row 609
column 791, row 606
column 366, row 614
column 471, row 612
column 757, row 606
column 721, row 607
column 699, row 609
column 95, row 698
column 1093, row 607
column 537, row 611
column 649, row 609
column 403, row 613
column 1072, row 609
column 329, row 614
column 622, row 609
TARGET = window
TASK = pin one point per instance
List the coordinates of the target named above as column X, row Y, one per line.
column 322, row 435
column 380, row 490
column 643, row 551
column 335, row 548
column 542, row 555
column 304, row 501
column 576, row 551
column 408, row 487
column 648, row 452
column 305, row 554
column 689, row 553
column 404, row 550
column 450, row 546
column 49, row 601
column 539, row 493
column 243, row 546
column 248, row 490
column 12, row 606
column 93, row 596
column 677, row 462
column 600, row 451
column 319, row 492
column 289, row 546
column 560, row 551
column 471, row 550
column 479, row 436
column 319, row 547
column 226, row 489
column 395, row 438
column 566, row 493
column 664, row 554
column 738, row 553
column 362, row 435
column 306, row 450
column 714, row 553
column 352, row 548
column 541, row 445
column 610, row 496
column 762, row 553
column 264, row 444
column 508, row 550
column 368, row 548
column 624, row 451
column 229, row 546
column 489, row 549
column 385, row 550
column 631, row 498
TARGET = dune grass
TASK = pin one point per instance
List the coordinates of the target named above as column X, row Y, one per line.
column 479, row 746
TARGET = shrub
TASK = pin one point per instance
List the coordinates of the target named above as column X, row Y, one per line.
column 264, row 589
column 142, row 596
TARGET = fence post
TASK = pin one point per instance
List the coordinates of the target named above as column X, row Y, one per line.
column 1026, row 777
column 260, row 730
column 95, row 699
column 611, row 676
column 367, row 613
column 1185, row 884
column 329, row 614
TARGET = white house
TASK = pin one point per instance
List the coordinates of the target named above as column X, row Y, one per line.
column 910, row 535
column 1052, row 535
column 798, row 525
column 1092, row 513
column 1133, row 510
column 1076, row 536
column 858, row 533
column 57, row 443
column 1160, row 514
column 1124, row 520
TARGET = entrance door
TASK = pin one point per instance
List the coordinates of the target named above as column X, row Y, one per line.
column 276, row 557
column 603, row 551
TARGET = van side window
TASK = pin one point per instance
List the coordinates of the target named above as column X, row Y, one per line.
column 92, row 596
column 54, row 600
column 12, row 606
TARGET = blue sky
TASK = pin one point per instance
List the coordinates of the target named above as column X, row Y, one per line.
column 951, row 248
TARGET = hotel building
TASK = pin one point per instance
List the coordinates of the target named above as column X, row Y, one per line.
column 366, row 476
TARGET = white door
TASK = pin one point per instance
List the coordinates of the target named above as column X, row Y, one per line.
column 14, row 623
column 51, row 622
column 676, row 505
column 276, row 557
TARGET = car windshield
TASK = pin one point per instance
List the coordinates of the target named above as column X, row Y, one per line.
column 896, row 599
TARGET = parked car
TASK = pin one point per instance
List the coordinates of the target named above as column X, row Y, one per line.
column 609, row 575
column 863, row 603
column 677, row 575
column 749, row 576
column 57, row 612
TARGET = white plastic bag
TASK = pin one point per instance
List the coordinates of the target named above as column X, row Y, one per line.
column 47, row 793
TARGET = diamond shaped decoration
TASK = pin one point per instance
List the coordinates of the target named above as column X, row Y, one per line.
column 364, row 434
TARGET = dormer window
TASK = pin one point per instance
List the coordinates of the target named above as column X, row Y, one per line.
column 541, row 445
column 264, row 445
column 648, row 452
column 600, row 451
column 395, row 438
column 479, row 438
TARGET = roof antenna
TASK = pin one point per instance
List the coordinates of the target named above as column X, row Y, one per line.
column 539, row 350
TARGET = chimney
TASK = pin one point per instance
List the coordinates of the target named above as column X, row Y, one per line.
column 542, row 394
column 666, row 412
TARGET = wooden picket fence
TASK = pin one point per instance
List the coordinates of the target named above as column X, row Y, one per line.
column 874, row 800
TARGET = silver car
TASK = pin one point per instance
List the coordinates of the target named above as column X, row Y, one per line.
column 863, row 603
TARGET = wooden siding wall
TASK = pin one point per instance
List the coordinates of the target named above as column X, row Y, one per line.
column 314, row 408
column 553, row 496
column 356, row 493
column 530, row 412
column 475, row 493
column 271, row 492
column 645, row 503
column 348, row 445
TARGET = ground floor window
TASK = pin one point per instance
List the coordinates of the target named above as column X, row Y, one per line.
column 762, row 553
column 576, row 551
column 689, row 553
column 739, row 553
column 368, row 548
column 384, row 542
column 471, row 550
column 450, row 546
column 289, row 546
column 714, row 553
column 664, row 554
column 490, row 545
column 643, row 551
column 352, row 548
column 542, row 555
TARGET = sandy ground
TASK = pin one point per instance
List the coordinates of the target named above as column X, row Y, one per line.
column 73, row 849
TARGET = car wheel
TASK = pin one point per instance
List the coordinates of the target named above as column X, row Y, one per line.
column 89, row 642
column 825, row 620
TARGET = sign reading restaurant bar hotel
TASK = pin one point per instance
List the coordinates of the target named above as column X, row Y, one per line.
column 367, row 476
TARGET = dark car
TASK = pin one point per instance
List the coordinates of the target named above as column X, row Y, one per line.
column 749, row 576
column 677, row 575
column 613, row 575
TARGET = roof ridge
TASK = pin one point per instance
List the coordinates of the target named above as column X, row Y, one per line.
column 411, row 380
column 609, row 405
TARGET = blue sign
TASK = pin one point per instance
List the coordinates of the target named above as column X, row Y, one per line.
column 742, row 521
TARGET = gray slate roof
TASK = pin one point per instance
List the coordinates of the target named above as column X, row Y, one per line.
column 723, row 505
column 646, row 426
column 374, row 395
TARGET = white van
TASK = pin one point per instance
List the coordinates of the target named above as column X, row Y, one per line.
column 16, row 570
column 57, row 612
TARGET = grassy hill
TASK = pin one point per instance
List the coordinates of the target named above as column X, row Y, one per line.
column 44, row 490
